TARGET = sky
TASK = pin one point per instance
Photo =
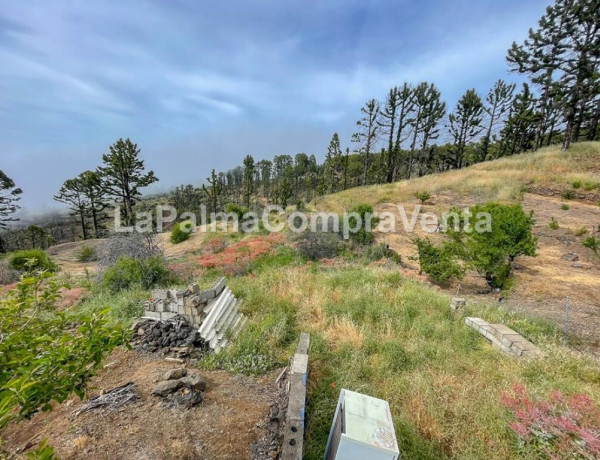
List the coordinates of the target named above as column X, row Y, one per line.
column 199, row 85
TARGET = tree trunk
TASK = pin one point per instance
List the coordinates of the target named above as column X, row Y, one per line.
column 593, row 132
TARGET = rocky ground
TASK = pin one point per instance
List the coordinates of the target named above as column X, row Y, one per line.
column 238, row 417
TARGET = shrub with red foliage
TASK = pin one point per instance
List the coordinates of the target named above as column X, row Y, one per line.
column 560, row 427
column 237, row 257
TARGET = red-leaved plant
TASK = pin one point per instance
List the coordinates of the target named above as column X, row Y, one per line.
column 559, row 427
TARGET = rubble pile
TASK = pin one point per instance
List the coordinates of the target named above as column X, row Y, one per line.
column 178, row 388
column 175, row 335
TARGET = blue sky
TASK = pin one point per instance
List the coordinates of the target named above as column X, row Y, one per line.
column 199, row 85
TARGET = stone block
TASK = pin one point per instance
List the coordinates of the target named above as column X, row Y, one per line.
column 152, row 314
column 194, row 288
column 159, row 294
column 219, row 286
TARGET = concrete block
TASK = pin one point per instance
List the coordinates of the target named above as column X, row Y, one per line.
column 167, row 315
column 194, row 288
column 151, row 314
column 219, row 286
column 159, row 294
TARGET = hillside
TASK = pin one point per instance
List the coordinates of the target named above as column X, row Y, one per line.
column 538, row 181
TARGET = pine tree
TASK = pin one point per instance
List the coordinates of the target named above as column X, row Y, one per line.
column 519, row 131
column 213, row 192
column 71, row 193
column 465, row 124
column 367, row 134
column 91, row 187
column 498, row 101
column 9, row 195
column 249, row 172
column 123, row 175
column 333, row 162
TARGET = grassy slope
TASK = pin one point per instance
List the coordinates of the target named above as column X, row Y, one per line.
column 501, row 180
column 375, row 332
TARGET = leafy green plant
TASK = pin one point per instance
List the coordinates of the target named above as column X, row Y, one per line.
column 46, row 354
column 576, row 184
column 492, row 253
column 565, row 207
column 423, row 196
column 180, row 232
column 592, row 242
column 127, row 273
column 589, row 186
column 87, row 254
column 567, row 194
column 32, row 259
column 553, row 224
column 439, row 262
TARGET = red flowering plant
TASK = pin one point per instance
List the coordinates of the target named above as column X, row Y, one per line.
column 559, row 427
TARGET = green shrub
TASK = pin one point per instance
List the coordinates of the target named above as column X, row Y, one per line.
column 236, row 209
column 581, row 231
column 179, row 234
column 382, row 251
column 553, row 224
column 46, row 354
column 363, row 236
column 588, row 186
column 423, row 196
column 440, row 263
column 576, row 184
column 127, row 273
column 492, row 253
column 34, row 259
column 592, row 242
column 565, row 207
column 568, row 194
column 87, row 254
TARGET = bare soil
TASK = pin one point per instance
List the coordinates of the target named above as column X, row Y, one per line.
column 542, row 283
column 233, row 417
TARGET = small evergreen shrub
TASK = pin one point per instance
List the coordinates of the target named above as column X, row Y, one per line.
column 87, row 254
column 423, row 196
column 565, row 207
column 592, row 242
column 180, row 232
column 127, row 273
column 318, row 245
column 581, row 231
column 576, row 184
column 589, row 186
column 568, row 195
column 363, row 236
column 382, row 251
column 553, row 224
column 32, row 259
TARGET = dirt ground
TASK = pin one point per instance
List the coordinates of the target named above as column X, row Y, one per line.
column 542, row 283
column 234, row 414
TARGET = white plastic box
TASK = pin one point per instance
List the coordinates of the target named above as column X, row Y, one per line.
column 362, row 429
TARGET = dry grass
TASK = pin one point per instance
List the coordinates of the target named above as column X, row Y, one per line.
column 499, row 180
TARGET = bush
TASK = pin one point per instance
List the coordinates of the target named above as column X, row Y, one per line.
column 127, row 273
column 492, row 253
column 318, row 245
column 576, row 184
column 564, row 207
column 138, row 246
column 238, row 210
column 32, row 259
column 382, row 251
column 559, row 427
column 588, row 186
column 423, row 196
column 363, row 236
column 440, row 263
column 568, row 195
column 87, row 254
column 8, row 275
column 45, row 354
column 179, row 234
column 553, row 224
column 581, row 231
column 592, row 242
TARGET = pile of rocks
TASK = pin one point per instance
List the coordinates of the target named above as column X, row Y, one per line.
column 181, row 389
column 175, row 335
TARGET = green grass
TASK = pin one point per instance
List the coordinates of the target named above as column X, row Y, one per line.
column 374, row 331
